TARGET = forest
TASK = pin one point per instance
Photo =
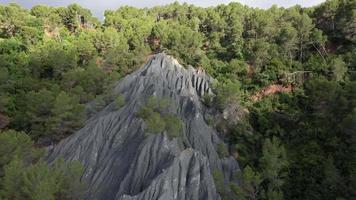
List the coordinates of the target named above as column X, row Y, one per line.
column 293, row 71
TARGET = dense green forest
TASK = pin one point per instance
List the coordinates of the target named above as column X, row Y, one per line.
column 292, row 70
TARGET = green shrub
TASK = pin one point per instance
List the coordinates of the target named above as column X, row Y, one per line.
column 227, row 93
column 120, row 101
column 163, row 103
column 145, row 112
column 226, row 191
column 208, row 100
column 174, row 126
column 99, row 103
column 158, row 105
column 222, row 126
column 153, row 120
column 209, row 120
column 155, row 124
column 219, row 181
column 156, row 121
column 222, row 150
column 152, row 102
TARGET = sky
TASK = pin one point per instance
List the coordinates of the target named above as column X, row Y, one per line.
column 98, row 7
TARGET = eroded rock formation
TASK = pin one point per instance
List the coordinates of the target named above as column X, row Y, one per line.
column 122, row 161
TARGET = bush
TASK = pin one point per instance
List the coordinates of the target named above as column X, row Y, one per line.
column 156, row 121
column 218, row 177
column 158, row 105
column 153, row 120
column 208, row 100
column 227, row 93
column 99, row 103
column 209, row 120
column 155, row 124
column 145, row 112
column 120, row 101
column 174, row 126
column 222, row 150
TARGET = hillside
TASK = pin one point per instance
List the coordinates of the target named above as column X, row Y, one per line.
column 124, row 159
column 263, row 102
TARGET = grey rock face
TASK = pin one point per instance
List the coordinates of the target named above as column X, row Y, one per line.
column 123, row 162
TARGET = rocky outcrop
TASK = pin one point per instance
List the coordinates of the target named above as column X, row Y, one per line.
column 124, row 162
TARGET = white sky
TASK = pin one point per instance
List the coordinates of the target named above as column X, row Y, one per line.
column 98, row 7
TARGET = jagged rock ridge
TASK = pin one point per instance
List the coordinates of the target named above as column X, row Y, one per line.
column 122, row 162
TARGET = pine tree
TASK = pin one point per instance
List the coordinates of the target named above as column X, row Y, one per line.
column 12, row 181
column 40, row 182
column 250, row 184
column 273, row 163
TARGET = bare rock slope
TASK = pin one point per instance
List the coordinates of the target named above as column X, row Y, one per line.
column 123, row 162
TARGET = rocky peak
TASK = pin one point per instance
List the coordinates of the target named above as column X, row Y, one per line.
column 123, row 161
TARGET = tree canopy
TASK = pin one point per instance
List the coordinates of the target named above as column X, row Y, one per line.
column 298, row 144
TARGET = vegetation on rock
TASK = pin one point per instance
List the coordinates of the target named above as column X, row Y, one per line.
column 158, row 120
column 120, row 101
column 53, row 61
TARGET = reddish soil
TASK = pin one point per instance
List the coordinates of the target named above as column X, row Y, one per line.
column 270, row 90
